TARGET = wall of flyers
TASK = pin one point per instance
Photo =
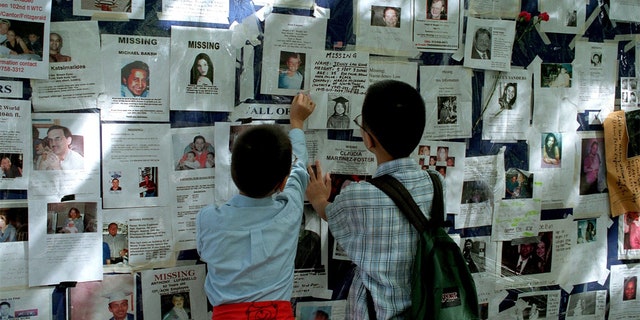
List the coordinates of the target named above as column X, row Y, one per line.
column 533, row 120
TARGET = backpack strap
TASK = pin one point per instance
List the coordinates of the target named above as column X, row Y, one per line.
column 403, row 199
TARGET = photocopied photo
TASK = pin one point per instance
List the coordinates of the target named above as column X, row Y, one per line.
column 198, row 69
column 175, row 293
column 75, row 81
column 112, row 298
column 16, row 155
column 286, row 63
column 73, row 227
column 135, row 152
column 482, row 37
column 65, row 159
column 32, row 303
column 137, row 89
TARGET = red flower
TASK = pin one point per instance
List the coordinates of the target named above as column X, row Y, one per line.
column 524, row 16
column 544, row 16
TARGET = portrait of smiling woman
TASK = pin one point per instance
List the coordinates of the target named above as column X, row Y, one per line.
column 202, row 70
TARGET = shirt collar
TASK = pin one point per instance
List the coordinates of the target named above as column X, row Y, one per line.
column 244, row 201
column 396, row 165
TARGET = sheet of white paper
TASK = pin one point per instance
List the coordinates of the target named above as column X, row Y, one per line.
column 109, row 9
column 288, row 40
column 58, row 244
column 89, row 300
column 74, row 84
column 552, row 159
column 311, row 263
column 11, row 89
column 437, row 32
column 624, row 10
column 542, row 265
column 629, row 92
column 212, row 11
column 32, row 304
column 595, row 69
column 623, row 291
column 588, row 305
column 34, row 15
column 555, row 99
column 628, row 236
column 15, row 123
column 481, row 190
column 506, row 109
column 488, row 44
column 260, row 111
column 446, row 91
column 193, row 180
column 385, row 68
column 15, row 269
column 340, row 72
column 540, row 304
column 584, row 242
column 137, row 88
column 392, row 37
column 507, row 9
column 135, row 154
column 307, row 310
column 480, row 255
column 448, row 159
column 223, row 136
column 516, row 218
column 70, row 161
column 565, row 16
column 347, row 157
column 201, row 61
column 593, row 175
column 160, row 288
column 150, row 238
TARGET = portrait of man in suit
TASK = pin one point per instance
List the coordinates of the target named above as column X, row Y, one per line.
column 481, row 44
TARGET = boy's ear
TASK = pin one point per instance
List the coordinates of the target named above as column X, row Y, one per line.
column 369, row 140
column 282, row 184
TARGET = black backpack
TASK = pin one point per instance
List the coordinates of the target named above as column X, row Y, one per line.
column 441, row 285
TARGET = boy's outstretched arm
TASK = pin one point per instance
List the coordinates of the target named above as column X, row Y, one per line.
column 301, row 107
column 318, row 190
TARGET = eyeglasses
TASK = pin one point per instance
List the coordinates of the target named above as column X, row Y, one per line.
column 358, row 121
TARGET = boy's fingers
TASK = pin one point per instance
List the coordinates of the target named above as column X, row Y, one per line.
column 318, row 168
column 312, row 175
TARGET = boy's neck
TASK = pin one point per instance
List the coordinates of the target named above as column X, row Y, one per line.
column 374, row 146
column 382, row 157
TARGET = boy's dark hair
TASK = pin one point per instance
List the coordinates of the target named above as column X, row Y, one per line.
column 260, row 160
column 394, row 113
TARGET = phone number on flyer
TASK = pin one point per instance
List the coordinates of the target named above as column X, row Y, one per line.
column 12, row 69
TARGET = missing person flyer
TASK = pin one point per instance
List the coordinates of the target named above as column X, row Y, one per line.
column 174, row 293
column 135, row 79
column 64, row 236
column 33, row 304
column 74, row 74
column 16, row 158
column 20, row 23
column 202, row 69
column 286, row 63
column 66, row 155
column 134, row 156
column 446, row 91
